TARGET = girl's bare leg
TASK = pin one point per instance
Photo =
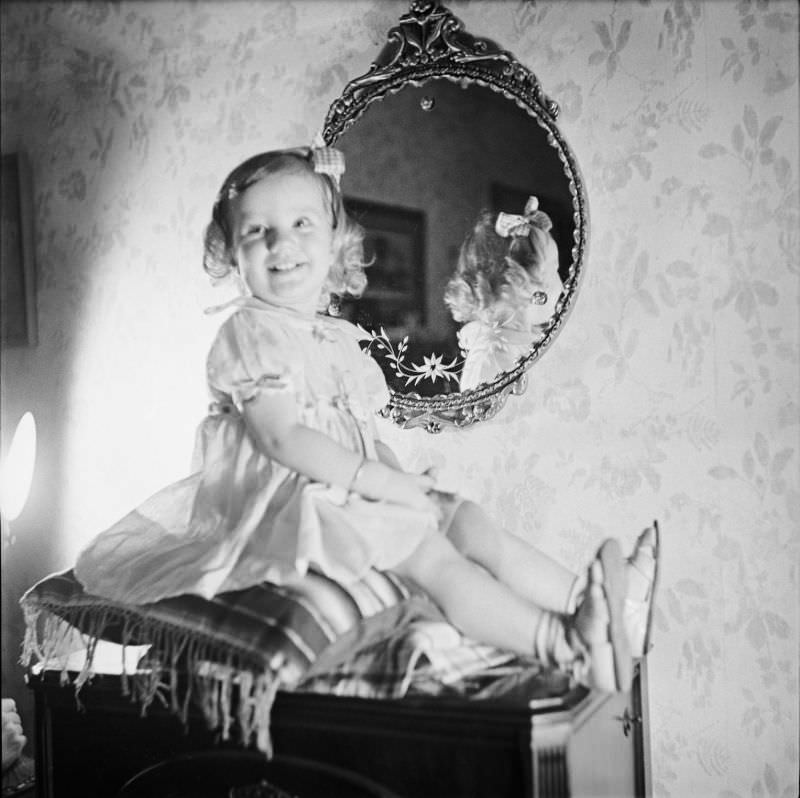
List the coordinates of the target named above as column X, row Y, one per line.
column 591, row 643
column 541, row 580
column 525, row 569
column 472, row 599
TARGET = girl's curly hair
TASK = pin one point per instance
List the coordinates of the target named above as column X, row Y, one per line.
column 494, row 272
column 346, row 275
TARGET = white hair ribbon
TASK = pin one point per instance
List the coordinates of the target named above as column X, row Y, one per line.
column 514, row 224
column 328, row 161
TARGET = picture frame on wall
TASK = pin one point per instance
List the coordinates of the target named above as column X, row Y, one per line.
column 17, row 269
column 394, row 241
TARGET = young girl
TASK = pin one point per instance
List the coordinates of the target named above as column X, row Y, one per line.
column 294, row 477
column 505, row 288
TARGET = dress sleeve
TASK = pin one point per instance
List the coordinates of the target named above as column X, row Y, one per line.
column 247, row 358
column 375, row 393
column 376, row 390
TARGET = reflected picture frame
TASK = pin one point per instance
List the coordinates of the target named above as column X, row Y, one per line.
column 394, row 244
column 18, row 325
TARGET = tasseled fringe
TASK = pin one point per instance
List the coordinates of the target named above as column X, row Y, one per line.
column 178, row 666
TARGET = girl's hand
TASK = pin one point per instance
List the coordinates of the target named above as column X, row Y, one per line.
column 432, row 472
column 412, row 491
column 379, row 481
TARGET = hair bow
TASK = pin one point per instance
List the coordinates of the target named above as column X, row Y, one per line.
column 328, row 161
column 325, row 160
column 512, row 224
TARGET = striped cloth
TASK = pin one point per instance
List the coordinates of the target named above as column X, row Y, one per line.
column 251, row 626
column 414, row 651
column 376, row 638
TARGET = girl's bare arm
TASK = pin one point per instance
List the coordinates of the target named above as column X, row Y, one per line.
column 271, row 420
column 387, row 456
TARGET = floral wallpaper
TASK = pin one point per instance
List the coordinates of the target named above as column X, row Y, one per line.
column 671, row 393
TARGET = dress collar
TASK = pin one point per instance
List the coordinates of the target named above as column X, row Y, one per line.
column 254, row 303
column 318, row 324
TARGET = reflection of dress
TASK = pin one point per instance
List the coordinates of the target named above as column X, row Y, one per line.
column 491, row 349
column 243, row 518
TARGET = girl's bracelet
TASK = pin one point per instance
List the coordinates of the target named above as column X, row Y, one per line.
column 356, row 474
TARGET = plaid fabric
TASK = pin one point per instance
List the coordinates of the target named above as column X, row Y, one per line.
column 317, row 628
column 296, row 622
column 372, row 639
column 414, row 650
column 328, row 161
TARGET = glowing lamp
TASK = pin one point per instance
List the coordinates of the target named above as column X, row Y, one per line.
column 16, row 470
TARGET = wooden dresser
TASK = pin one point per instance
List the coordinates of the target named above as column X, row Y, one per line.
column 583, row 744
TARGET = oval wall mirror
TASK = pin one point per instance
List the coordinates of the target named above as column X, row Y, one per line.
column 442, row 128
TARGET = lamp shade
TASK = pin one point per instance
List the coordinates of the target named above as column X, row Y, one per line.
column 16, row 469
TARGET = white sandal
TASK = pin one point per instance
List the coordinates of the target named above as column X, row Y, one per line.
column 599, row 625
column 638, row 611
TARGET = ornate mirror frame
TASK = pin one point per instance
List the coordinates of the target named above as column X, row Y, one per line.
column 429, row 42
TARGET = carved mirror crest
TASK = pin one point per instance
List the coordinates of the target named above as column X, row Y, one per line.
column 455, row 126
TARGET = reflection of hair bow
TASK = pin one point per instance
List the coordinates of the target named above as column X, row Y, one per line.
column 512, row 224
column 328, row 161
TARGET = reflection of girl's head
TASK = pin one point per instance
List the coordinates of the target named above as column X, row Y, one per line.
column 346, row 275
column 500, row 277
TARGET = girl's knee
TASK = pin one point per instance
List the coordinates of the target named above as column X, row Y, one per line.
column 426, row 561
column 473, row 534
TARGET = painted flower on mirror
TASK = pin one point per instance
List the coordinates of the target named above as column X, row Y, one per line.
column 432, row 367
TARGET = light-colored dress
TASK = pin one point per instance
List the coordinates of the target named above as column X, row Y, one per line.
column 491, row 349
column 243, row 518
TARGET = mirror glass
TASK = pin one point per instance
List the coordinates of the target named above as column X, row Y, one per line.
column 443, row 128
column 421, row 166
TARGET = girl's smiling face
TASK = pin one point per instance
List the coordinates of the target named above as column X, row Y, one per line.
column 283, row 240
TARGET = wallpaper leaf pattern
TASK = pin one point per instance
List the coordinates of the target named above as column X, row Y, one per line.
column 672, row 391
